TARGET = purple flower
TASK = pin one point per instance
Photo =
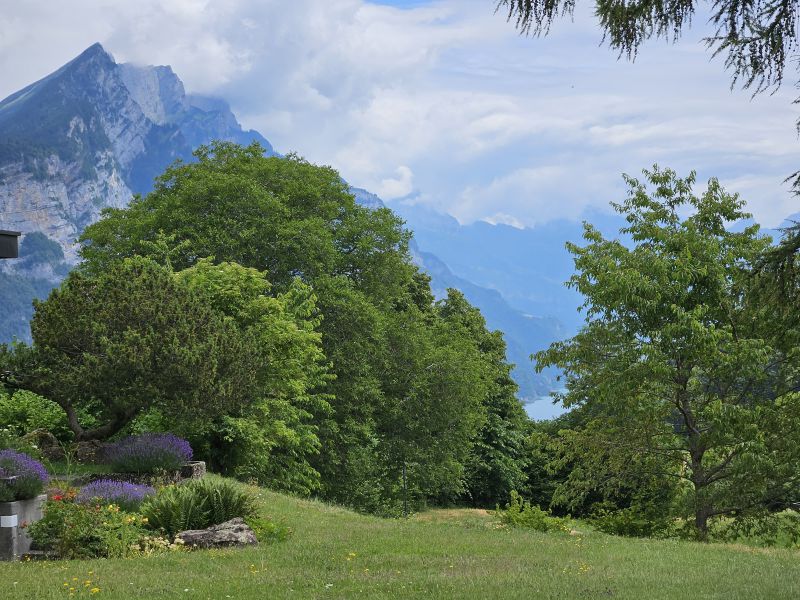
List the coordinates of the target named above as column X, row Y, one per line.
column 127, row 496
column 149, row 452
column 31, row 476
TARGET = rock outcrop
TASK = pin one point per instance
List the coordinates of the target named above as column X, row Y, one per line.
column 230, row 533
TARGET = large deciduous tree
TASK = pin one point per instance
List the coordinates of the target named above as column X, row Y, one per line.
column 272, row 439
column 677, row 366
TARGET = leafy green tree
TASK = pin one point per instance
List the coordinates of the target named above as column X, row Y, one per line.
column 432, row 406
column 283, row 216
column 497, row 463
column 674, row 364
column 272, row 439
column 129, row 340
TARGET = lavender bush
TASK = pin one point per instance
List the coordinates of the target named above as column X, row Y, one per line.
column 128, row 496
column 31, row 476
column 148, row 453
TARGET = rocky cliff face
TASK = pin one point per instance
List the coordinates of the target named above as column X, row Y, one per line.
column 91, row 135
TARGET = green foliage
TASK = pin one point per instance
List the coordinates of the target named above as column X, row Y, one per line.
column 777, row 529
column 497, row 463
column 368, row 393
column 638, row 520
column 25, row 412
column 273, row 439
column 128, row 340
column 11, row 440
column 521, row 513
column 283, row 216
column 197, row 504
column 74, row 530
column 268, row 531
column 675, row 369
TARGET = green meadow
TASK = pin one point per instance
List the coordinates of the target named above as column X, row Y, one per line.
column 459, row 553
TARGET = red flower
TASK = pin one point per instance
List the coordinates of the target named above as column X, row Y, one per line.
column 58, row 497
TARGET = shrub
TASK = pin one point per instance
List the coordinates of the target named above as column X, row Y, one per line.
column 25, row 412
column 634, row 521
column 520, row 513
column 128, row 496
column 197, row 504
column 148, row 453
column 268, row 531
column 31, row 476
column 74, row 530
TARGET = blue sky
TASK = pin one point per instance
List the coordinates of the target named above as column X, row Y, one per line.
column 441, row 103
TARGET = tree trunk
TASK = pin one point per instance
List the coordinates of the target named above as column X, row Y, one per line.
column 701, row 523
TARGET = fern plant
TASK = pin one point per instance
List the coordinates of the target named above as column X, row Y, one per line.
column 197, row 504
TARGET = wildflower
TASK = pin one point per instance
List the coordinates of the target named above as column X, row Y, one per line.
column 94, row 590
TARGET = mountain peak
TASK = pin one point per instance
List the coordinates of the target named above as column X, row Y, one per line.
column 94, row 54
column 94, row 49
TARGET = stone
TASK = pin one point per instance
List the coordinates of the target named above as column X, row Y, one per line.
column 230, row 533
column 90, row 451
column 195, row 469
column 47, row 443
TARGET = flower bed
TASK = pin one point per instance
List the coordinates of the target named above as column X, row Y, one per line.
column 21, row 477
column 114, row 519
column 22, row 480
column 128, row 496
column 191, row 470
column 148, row 453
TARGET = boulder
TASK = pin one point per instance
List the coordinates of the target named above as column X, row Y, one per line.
column 230, row 533
column 195, row 469
column 47, row 444
column 90, row 451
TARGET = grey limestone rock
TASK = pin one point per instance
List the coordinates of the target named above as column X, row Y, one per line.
column 230, row 533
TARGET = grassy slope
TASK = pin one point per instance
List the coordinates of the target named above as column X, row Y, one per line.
column 443, row 554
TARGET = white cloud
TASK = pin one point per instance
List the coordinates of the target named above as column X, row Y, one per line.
column 397, row 187
column 444, row 98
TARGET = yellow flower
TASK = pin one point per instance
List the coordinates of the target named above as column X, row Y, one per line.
column 94, row 590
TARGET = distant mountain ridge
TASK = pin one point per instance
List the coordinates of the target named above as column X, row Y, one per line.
column 94, row 133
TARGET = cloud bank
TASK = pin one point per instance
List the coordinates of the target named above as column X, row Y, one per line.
column 442, row 101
